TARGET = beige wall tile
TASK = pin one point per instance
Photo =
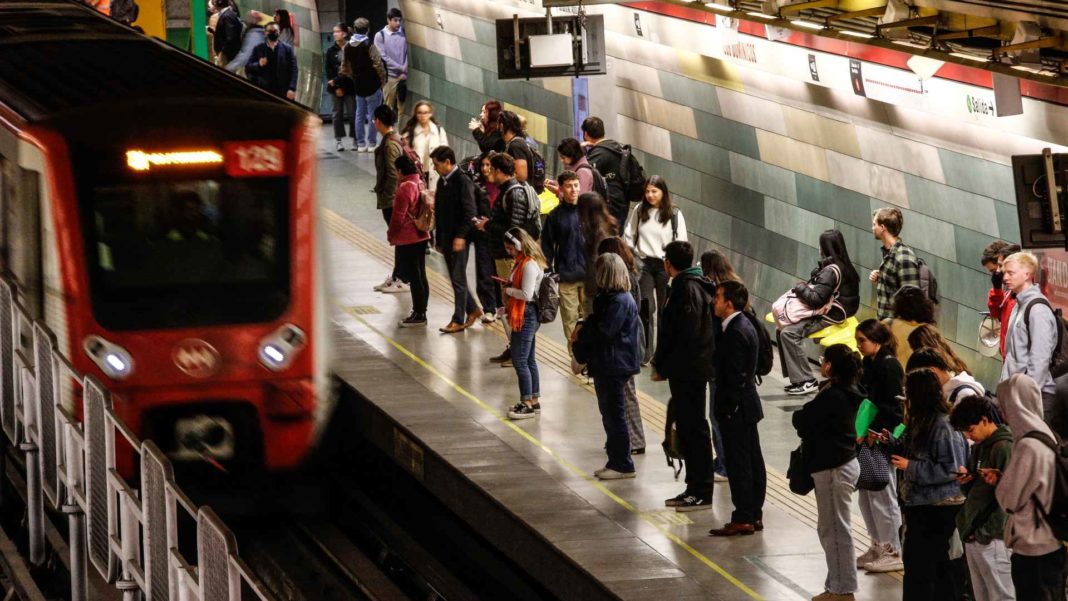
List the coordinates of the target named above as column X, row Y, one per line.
column 791, row 154
column 658, row 112
column 884, row 148
column 537, row 125
column 652, row 139
column 867, row 178
column 751, row 110
column 557, row 85
column 640, row 78
column 819, row 130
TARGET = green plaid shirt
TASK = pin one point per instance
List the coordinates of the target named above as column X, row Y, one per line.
column 900, row 268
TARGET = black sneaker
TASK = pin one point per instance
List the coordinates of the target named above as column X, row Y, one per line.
column 415, row 320
column 801, row 388
column 505, row 356
column 521, row 411
column 692, row 503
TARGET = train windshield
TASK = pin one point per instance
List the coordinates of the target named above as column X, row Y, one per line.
column 168, row 254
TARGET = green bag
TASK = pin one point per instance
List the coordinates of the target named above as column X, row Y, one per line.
column 866, row 415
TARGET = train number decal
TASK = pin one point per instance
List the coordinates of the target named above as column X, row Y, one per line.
column 257, row 158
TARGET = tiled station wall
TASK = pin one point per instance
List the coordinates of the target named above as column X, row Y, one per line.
column 760, row 164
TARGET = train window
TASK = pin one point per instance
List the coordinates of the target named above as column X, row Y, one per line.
column 188, row 253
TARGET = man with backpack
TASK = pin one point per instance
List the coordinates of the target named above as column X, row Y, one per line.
column 1027, row 490
column 529, row 165
column 684, row 355
column 899, row 268
column 456, row 210
column 386, row 180
column 573, row 157
column 623, row 174
column 1033, row 335
column 364, row 64
column 392, row 45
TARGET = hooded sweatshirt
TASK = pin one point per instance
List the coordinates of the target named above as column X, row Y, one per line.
column 981, row 517
column 965, row 386
column 1026, row 486
column 1030, row 346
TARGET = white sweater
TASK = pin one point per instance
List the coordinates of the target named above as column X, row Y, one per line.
column 652, row 236
column 532, row 275
column 423, row 142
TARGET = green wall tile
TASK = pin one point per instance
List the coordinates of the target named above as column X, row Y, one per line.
column 700, row 156
column 978, row 176
column 765, row 246
column 970, row 245
column 689, row 92
column 732, row 135
column 733, row 200
column 476, row 54
column 952, row 205
column 1008, row 221
column 794, row 222
column 765, row 178
column 830, row 200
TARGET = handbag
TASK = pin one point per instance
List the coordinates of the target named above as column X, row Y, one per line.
column 874, row 467
column 801, row 482
column 790, row 309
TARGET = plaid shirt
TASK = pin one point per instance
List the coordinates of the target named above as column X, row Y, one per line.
column 900, row 268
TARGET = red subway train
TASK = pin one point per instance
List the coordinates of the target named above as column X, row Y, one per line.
column 159, row 215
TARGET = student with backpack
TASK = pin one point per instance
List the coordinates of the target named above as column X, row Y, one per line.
column 833, row 293
column 386, row 179
column 1025, row 490
column 573, row 157
column 529, row 166
column 900, row 267
column 651, row 226
column 410, row 241
column 521, row 311
column 931, row 350
column 616, row 162
column 364, row 63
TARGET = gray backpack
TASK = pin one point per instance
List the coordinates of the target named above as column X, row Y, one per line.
column 548, row 298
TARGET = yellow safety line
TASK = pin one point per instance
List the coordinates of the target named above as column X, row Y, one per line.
column 559, row 459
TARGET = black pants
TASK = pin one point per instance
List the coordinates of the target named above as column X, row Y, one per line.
column 1039, row 578
column 687, row 408
column 463, row 299
column 745, row 468
column 654, row 288
column 387, row 214
column 925, row 551
column 411, row 264
column 345, row 105
column 489, row 291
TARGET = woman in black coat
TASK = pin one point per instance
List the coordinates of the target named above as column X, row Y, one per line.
column 607, row 342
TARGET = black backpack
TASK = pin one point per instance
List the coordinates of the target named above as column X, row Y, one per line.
column 928, row 282
column 600, row 184
column 1058, row 363
column 1057, row 516
column 631, row 175
column 536, row 172
column 364, row 76
column 548, row 298
column 765, row 354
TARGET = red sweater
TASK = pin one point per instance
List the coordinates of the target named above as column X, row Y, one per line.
column 1000, row 304
column 402, row 230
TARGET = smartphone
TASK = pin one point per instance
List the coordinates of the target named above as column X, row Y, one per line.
column 501, row 280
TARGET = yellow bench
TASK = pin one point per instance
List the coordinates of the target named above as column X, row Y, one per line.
column 839, row 333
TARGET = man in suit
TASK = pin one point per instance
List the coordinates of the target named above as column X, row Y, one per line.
column 455, row 208
column 684, row 355
column 273, row 65
column 737, row 408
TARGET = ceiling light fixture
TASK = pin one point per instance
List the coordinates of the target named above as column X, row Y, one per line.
column 807, row 24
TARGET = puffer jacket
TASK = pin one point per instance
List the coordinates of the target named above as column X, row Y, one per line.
column 608, row 340
column 509, row 211
column 686, row 340
column 819, row 290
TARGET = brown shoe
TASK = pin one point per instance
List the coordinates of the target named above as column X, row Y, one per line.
column 758, row 525
column 472, row 318
column 733, row 529
column 452, row 328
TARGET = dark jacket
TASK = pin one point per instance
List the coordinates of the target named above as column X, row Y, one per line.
column 737, row 402
column 365, row 66
column 826, row 427
column 981, row 518
column 606, row 157
column 608, row 339
column 332, row 61
column 562, row 242
column 883, row 381
column 279, row 75
column 488, row 142
column 387, row 176
column 509, row 211
column 686, row 336
column 820, row 289
column 227, row 38
column 454, row 207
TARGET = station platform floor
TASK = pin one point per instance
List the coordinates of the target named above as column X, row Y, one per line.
column 671, row 551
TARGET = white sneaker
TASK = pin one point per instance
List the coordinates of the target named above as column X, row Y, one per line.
column 360, row 149
column 888, row 561
column 489, row 317
column 396, row 287
column 719, row 478
column 340, row 147
column 870, row 555
column 386, row 284
column 370, row 148
column 611, row 474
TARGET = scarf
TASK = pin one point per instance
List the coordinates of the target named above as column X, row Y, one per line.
column 517, row 306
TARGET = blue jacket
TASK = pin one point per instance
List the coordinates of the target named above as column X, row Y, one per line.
column 931, row 475
column 608, row 340
column 563, row 243
column 279, row 75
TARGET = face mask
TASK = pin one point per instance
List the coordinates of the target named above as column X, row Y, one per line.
column 273, row 36
column 997, row 278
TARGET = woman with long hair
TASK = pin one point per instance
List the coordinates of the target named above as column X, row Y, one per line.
column 912, row 309
column 635, row 429
column 286, row 32
column 927, row 335
column 826, row 427
column 882, row 380
column 608, row 343
column 652, row 225
column 929, row 456
column 520, row 295
column 597, row 224
column 834, row 289
column 423, row 134
column 484, row 128
column 717, row 267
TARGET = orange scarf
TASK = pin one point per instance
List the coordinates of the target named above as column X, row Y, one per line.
column 517, row 306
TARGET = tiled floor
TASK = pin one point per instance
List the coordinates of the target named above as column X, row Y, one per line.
column 784, row 562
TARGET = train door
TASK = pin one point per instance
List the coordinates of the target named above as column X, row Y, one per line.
column 20, row 222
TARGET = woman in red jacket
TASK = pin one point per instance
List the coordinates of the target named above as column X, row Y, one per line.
column 410, row 241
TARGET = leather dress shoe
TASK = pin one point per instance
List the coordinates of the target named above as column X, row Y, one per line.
column 452, row 328
column 733, row 529
column 758, row 525
column 472, row 318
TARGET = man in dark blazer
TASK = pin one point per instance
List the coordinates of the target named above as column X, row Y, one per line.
column 455, row 211
column 273, row 65
column 684, row 355
column 737, row 409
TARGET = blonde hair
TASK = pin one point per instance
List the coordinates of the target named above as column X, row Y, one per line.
column 1025, row 259
column 527, row 245
column 611, row 273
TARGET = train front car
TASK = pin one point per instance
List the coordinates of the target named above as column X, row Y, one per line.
column 192, row 248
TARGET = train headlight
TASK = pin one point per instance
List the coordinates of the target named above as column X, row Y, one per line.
column 112, row 359
column 278, row 350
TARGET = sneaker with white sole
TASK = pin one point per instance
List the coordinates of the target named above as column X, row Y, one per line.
column 414, row 320
column 397, row 287
column 718, row 477
column 339, row 146
column 488, row 318
column 360, row 149
column 801, row 388
column 692, row 503
column 888, row 561
column 385, row 284
column 870, row 555
column 522, row 411
column 370, row 148
column 611, row 474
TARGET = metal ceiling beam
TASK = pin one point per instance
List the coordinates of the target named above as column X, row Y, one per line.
column 913, row 22
column 800, row 6
column 1050, row 42
column 877, row 11
column 981, row 32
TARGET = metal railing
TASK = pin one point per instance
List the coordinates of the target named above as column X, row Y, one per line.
column 130, row 536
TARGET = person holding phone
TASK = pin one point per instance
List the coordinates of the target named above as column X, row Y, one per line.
column 520, row 297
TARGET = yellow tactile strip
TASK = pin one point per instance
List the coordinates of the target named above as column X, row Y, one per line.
column 555, row 355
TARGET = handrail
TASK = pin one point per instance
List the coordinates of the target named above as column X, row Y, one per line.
column 129, row 535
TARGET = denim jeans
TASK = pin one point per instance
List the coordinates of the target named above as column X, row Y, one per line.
column 343, row 106
column 610, row 400
column 834, row 490
column 366, row 134
column 463, row 299
column 523, row 355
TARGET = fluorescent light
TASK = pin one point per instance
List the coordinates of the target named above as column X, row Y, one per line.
column 719, row 7
column 762, row 15
column 855, row 34
column 969, row 57
column 807, row 24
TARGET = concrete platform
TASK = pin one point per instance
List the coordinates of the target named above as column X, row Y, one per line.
column 539, row 471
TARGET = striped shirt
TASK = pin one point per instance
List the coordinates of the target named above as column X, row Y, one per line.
column 900, row 268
